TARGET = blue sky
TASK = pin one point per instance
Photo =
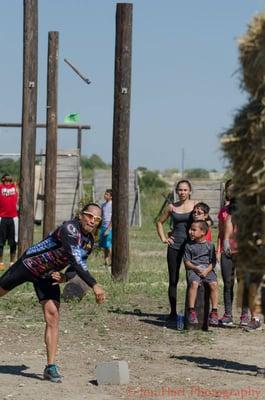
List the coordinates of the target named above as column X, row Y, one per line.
column 185, row 84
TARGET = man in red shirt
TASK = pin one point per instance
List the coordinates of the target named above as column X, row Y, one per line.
column 8, row 217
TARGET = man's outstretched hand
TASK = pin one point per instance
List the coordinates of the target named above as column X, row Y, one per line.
column 99, row 293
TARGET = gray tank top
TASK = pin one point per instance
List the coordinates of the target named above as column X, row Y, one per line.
column 181, row 223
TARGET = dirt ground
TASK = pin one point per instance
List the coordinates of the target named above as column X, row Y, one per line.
column 163, row 363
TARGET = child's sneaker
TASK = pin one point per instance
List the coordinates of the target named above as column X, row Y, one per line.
column 253, row 325
column 192, row 318
column 51, row 373
column 226, row 320
column 213, row 319
column 2, row 266
column 244, row 320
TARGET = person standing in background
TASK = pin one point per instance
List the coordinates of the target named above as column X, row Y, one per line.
column 105, row 236
column 180, row 213
column 222, row 217
column 8, row 218
column 246, row 282
column 201, row 212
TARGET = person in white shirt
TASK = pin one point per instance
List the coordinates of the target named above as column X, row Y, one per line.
column 105, row 236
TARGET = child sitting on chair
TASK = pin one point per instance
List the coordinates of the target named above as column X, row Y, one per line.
column 199, row 259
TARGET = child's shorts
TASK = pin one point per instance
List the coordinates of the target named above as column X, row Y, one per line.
column 192, row 276
column 105, row 241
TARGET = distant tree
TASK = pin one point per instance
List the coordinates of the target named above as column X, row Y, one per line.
column 93, row 162
column 151, row 180
column 142, row 169
column 196, row 173
column 10, row 166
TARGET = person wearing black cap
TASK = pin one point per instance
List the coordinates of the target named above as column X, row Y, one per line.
column 8, row 217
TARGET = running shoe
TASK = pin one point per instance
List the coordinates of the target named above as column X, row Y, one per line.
column 213, row 319
column 244, row 320
column 51, row 373
column 226, row 320
column 253, row 325
column 192, row 318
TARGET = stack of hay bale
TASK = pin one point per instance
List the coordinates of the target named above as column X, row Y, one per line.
column 244, row 146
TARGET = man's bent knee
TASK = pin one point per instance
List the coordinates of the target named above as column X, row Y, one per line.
column 50, row 310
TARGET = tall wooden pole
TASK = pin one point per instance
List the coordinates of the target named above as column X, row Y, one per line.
column 120, row 150
column 51, row 135
column 29, row 117
column 79, row 140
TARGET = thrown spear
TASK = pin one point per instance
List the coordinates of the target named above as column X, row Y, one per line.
column 77, row 72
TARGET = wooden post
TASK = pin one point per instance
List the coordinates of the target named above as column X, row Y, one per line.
column 79, row 140
column 76, row 288
column 51, row 135
column 120, row 150
column 29, row 116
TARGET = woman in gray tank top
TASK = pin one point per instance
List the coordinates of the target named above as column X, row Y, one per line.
column 180, row 213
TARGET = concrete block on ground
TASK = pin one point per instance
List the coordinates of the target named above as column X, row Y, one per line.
column 112, row 373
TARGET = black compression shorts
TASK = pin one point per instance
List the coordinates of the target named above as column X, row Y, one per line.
column 18, row 274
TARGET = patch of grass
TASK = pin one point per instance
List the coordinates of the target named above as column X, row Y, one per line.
column 145, row 290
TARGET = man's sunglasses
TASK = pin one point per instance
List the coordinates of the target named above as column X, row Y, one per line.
column 91, row 216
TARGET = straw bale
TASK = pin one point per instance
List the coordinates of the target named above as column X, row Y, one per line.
column 246, row 152
column 252, row 55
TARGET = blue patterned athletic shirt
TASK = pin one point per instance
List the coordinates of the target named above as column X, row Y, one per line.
column 66, row 246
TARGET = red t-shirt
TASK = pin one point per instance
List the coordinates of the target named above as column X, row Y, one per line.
column 208, row 236
column 8, row 200
column 222, row 216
